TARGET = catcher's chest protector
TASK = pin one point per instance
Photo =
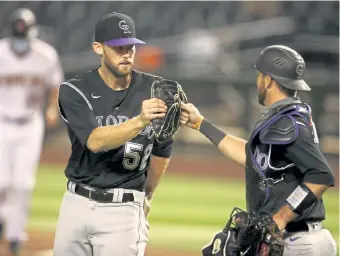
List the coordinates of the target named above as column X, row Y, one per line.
column 261, row 152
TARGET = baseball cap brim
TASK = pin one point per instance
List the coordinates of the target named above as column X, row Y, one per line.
column 123, row 41
column 294, row 84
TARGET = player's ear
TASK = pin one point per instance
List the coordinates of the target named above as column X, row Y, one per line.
column 268, row 81
column 98, row 48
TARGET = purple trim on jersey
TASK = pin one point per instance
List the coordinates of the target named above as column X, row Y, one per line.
column 296, row 112
column 123, row 41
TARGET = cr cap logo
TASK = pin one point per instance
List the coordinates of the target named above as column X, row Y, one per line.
column 299, row 71
column 216, row 246
column 122, row 25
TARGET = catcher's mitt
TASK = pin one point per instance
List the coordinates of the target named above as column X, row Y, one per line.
column 172, row 94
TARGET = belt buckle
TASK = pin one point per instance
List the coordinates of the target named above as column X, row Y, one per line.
column 93, row 195
column 98, row 196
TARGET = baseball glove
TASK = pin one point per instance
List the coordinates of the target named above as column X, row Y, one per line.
column 172, row 94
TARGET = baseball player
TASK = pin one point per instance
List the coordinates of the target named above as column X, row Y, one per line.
column 30, row 71
column 286, row 173
column 115, row 163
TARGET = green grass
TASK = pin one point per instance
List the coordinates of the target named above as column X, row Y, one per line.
column 185, row 214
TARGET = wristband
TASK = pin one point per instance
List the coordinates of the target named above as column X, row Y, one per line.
column 301, row 198
column 197, row 125
column 213, row 133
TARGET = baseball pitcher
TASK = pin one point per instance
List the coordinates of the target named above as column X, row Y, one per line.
column 30, row 71
column 286, row 173
column 120, row 122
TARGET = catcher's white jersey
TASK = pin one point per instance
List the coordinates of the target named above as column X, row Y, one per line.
column 24, row 80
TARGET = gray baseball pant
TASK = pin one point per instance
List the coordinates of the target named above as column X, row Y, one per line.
column 314, row 242
column 89, row 228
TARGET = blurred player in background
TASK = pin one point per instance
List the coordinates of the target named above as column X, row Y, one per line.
column 30, row 71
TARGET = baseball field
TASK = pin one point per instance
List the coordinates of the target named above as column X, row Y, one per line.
column 186, row 212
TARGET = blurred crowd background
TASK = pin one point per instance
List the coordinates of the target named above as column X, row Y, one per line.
column 210, row 48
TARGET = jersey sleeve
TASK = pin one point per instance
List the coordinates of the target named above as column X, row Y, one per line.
column 308, row 158
column 76, row 111
column 163, row 150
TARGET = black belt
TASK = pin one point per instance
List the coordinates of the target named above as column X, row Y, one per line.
column 297, row 226
column 101, row 196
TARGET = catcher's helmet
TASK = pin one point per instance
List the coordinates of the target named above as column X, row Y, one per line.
column 23, row 23
column 284, row 65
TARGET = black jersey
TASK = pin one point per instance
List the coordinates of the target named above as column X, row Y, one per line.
column 86, row 103
column 276, row 166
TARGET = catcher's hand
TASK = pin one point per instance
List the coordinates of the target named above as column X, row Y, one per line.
column 190, row 116
column 172, row 94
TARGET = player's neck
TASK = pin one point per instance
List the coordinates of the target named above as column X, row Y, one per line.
column 275, row 98
column 115, row 83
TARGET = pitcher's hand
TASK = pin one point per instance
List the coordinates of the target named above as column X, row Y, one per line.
column 151, row 109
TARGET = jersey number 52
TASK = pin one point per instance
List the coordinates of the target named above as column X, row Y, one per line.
column 132, row 156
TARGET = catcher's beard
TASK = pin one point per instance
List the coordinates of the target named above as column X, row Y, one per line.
column 262, row 95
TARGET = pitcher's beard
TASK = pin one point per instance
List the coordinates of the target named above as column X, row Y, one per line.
column 116, row 72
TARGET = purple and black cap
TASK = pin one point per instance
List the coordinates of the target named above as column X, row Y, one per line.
column 116, row 29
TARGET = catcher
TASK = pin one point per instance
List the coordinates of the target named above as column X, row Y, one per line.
column 120, row 122
column 286, row 173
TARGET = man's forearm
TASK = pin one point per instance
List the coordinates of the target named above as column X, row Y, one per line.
column 231, row 146
column 234, row 148
column 158, row 166
column 52, row 101
column 110, row 137
column 286, row 214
